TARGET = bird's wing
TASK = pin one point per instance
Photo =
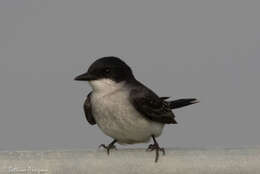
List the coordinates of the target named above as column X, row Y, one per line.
column 88, row 110
column 164, row 98
column 151, row 106
column 175, row 104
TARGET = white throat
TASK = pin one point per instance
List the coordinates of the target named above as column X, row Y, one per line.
column 105, row 86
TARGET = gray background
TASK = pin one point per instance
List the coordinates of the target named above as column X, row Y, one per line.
column 204, row 49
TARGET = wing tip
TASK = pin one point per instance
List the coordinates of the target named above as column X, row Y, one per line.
column 194, row 101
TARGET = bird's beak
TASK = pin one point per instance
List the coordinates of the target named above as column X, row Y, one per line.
column 85, row 77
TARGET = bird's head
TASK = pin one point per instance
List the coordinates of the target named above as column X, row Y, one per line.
column 107, row 72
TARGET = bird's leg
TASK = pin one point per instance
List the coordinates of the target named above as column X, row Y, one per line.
column 155, row 147
column 110, row 146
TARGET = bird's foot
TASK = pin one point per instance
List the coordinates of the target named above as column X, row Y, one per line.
column 157, row 148
column 108, row 148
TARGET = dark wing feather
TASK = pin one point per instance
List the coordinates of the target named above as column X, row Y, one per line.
column 164, row 98
column 182, row 102
column 151, row 106
column 88, row 110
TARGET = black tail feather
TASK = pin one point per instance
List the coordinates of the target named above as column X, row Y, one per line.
column 182, row 102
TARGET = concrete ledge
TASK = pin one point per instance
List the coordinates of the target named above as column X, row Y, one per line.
column 181, row 161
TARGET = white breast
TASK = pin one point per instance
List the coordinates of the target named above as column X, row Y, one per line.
column 118, row 119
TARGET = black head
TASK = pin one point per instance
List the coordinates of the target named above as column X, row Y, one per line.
column 107, row 68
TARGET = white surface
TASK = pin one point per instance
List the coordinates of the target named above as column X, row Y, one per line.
column 184, row 161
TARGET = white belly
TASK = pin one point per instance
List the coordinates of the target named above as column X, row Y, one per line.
column 117, row 118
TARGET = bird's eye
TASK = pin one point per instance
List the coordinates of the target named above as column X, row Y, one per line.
column 107, row 70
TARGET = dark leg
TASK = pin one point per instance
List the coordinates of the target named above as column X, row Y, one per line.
column 155, row 147
column 110, row 146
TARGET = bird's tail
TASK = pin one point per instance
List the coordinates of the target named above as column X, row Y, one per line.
column 175, row 104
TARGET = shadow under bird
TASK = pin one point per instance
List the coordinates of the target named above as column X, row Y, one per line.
column 124, row 108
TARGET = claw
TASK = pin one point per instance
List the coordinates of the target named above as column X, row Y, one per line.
column 102, row 145
column 109, row 147
column 157, row 148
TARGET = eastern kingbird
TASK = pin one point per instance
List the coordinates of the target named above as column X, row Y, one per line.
column 124, row 108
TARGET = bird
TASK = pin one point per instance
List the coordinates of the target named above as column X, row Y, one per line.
column 124, row 108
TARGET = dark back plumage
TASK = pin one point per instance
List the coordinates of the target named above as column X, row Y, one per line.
column 150, row 105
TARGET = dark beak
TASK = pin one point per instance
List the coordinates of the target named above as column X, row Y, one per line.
column 85, row 77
